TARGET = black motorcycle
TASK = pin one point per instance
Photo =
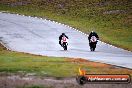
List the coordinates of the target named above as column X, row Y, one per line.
column 64, row 43
column 93, row 42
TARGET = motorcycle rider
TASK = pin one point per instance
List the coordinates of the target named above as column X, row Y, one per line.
column 93, row 34
column 61, row 36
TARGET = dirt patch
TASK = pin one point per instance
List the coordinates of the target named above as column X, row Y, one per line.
column 87, row 62
column 98, row 67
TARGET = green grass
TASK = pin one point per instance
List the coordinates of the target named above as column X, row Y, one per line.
column 47, row 66
column 86, row 15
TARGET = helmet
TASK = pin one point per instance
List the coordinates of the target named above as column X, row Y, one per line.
column 92, row 31
column 63, row 33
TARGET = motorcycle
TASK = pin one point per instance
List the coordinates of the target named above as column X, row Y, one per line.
column 93, row 42
column 64, row 43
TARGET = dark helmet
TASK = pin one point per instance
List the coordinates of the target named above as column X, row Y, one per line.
column 63, row 33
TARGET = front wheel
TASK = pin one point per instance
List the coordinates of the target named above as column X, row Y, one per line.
column 92, row 46
column 65, row 46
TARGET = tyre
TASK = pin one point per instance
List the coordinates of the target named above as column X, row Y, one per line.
column 91, row 49
column 92, row 46
column 64, row 46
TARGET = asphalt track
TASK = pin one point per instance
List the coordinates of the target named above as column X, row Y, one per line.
column 40, row 36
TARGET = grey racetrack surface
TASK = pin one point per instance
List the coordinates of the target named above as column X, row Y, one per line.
column 37, row 36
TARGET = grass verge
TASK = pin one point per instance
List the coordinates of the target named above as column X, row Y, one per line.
column 21, row 63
